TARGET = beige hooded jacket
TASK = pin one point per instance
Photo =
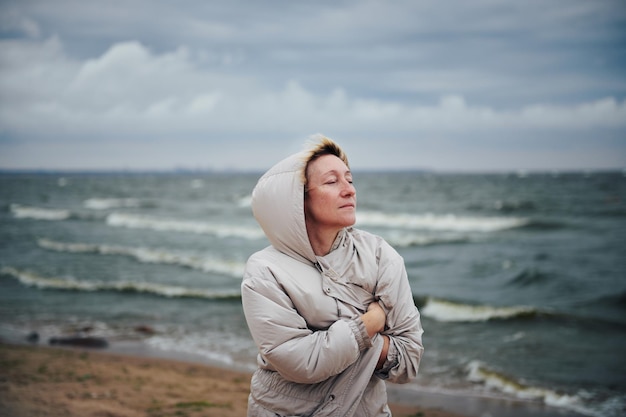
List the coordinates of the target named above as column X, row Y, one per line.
column 303, row 311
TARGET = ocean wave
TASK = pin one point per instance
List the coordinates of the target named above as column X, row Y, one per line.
column 547, row 224
column 437, row 222
column 71, row 284
column 39, row 213
column 477, row 372
column 196, row 184
column 185, row 345
column 51, row 214
column 135, row 221
column 409, row 239
column 112, row 203
column 618, row 299
column 153, row 256
column 529, row 277
column 245, row 201
column 505, row 206
column 448, row 311
column 220, row 347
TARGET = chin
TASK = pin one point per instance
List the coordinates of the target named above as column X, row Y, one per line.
column 349, row 222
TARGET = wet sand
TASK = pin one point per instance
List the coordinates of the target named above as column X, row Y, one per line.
column 46, row 381
column 43, row 381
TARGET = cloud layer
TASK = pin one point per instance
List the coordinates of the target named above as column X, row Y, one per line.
column 238, row 90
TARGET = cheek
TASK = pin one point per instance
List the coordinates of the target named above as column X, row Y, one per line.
column 314, row 206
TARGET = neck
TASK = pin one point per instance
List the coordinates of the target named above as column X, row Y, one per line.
column 322, row 240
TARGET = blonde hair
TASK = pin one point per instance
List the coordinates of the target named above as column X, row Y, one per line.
column 324, row 146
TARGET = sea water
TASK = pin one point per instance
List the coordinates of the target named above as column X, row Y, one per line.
column 520, row 278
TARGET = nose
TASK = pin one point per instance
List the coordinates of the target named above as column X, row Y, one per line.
column 347, row 188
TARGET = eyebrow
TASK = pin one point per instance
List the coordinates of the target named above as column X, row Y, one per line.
column 335, row 172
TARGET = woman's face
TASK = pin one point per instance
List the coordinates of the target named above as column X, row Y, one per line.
column 330, row 200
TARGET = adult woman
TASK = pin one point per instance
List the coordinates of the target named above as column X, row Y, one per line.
column 329, row 306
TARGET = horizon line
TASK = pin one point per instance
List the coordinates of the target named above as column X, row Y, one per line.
column 139, row 171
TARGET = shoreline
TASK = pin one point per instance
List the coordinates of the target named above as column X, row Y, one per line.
column 68, row 381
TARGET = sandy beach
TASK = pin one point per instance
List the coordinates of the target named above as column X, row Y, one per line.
column 46, row 381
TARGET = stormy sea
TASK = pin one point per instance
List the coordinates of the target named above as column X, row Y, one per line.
column 520, row 278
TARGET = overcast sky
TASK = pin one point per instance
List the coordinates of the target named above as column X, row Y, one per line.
column 458, row 85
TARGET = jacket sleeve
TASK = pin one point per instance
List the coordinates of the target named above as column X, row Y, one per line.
column 403, row 319
column 298, row 353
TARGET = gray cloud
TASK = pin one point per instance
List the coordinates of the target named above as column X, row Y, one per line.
column 478, row 86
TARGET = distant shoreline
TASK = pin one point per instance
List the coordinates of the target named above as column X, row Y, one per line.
column 259, row 172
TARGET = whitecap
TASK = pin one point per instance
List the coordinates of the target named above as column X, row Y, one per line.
column 245, row 201
column 404, row 239
column 111, row 203
column 69, row 283
column 134, row 221
column 438, row 222
column 196, row 184
column 38, row 213
column 479, row 373
column 204, row 263
column 448, row 311
column 216, row 346
column 190, row 345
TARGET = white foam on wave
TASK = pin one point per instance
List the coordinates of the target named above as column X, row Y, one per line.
column 134, row 221
column 220, row 347
column 448, row 311
column 478, row 372
column 155, row 256
column 187, row 345
column 111, row 203
column 69, row 283
column 38, row 213
column 245, row 201
column 405, row 239
column 438, row 222
column 196, row 184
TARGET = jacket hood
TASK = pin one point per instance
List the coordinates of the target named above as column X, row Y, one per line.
column 278, row 206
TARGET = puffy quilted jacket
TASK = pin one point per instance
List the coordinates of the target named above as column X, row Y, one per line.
column 303, row 311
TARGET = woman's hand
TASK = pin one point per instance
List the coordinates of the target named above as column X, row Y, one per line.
column 374, row 319
column 383, row 353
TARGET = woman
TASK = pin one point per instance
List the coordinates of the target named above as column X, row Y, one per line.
column 329, row 306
